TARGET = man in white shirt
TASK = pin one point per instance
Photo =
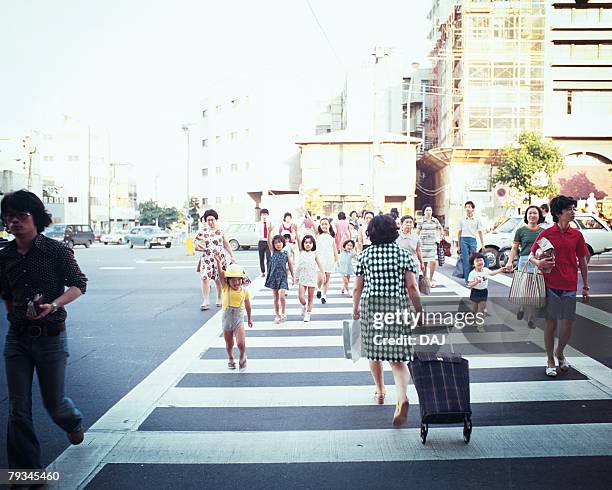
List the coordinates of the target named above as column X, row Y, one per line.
column 548, row 219
column 263, row 227
column 469, row 227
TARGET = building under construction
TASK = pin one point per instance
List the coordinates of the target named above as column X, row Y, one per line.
column 488, row 87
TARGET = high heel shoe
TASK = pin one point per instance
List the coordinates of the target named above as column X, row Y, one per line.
column 401, row 413
column 380, row 397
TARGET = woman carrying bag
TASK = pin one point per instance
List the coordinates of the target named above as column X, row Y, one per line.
column 524, row 238
column 561, row 279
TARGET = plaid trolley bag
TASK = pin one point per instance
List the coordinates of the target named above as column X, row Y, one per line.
column 442, row 381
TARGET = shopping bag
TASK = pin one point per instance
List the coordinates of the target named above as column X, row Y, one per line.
column 528, row 288
column 458, row 272
column 440, row 252
column 424, row 285
column 351, row 332
column 446, row 246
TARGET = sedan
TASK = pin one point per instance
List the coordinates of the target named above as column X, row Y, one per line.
column 117, row 237
column 148, row 236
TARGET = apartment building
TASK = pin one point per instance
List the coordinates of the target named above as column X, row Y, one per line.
column 248, row 131
column 488, row 87
column 578, row 98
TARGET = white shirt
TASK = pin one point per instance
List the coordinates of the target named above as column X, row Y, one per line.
column 484, row 273
column 260, row 230
column 548, row 221
column 469, row 227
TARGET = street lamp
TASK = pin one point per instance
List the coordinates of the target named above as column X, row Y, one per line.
column 111, row 178
column 185, row 128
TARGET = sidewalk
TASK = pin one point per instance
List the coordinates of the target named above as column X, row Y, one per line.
column 303, row 416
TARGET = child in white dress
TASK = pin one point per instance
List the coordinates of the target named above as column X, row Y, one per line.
column 327, row 254
column 308, row 265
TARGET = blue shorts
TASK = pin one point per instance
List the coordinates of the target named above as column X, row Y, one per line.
column 560, row 304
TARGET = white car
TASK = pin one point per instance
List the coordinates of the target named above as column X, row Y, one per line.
column 498, row 243
column 117, row 237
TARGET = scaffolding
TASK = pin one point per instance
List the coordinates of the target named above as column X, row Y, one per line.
column 488, row 72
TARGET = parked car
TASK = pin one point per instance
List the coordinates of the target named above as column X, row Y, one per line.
column 117, row 237
column 241, row 235
column 71, row 235
column 148, row 236
column 498, row 243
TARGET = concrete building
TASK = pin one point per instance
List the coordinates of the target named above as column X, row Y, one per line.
column 248, row 132
column 578, row 109
column 488, row 72
column 79, row 181
column 350, row 171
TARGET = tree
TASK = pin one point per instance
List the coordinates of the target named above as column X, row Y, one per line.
column 194, row 209
column 535, row 159
column 579, row 186
column 313, row 202
column 151, row 213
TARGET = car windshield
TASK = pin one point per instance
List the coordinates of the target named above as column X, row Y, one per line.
column 509, row 225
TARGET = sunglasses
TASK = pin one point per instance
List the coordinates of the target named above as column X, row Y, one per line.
column 20, row 216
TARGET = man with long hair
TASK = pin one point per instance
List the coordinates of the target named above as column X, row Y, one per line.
column 34, row 273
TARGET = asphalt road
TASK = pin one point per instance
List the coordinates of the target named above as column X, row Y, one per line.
column 141, row 305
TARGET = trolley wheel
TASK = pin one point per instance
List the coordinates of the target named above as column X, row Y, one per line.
column 467, row 430
column 424, row 430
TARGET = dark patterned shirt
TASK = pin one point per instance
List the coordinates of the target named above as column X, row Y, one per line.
column 47, row 268
column 383, row 268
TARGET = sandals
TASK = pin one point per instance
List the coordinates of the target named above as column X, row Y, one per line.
column 283, row 318
column 551, row 372
column 380, row 397
column 204, row 306
column 564, row 366
column 401, row 413
column 218, row 303
column 231, row 365
column 277, row 319
column 242, row 365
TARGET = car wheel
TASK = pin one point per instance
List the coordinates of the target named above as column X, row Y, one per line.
column 492, row 258
column 234, row 244
column 130, row 244
column 245, row 247
column 105, row 243
column 120, row 241
column 87, row 244
column 168, row 245
column 70, row 244
column 503, row 257
column 147, row 244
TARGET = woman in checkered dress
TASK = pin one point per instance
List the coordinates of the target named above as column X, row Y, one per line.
column 384, row 273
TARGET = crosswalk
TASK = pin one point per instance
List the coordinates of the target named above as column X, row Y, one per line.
column 301, row 403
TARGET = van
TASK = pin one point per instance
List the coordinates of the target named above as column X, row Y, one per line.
column 71, row 235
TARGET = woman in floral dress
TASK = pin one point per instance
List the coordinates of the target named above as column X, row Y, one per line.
column 210, row 240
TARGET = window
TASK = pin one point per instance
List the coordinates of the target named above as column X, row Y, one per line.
column 234, row 168
column 584, row 51
column 218, row 140
column 247, row 165
column 204, row 172
column 569, row 101
column 234, row 103
column 204, row 113
column 204, row 201
column 204, row 143
column 218, row 108
column 231, row 199
column 217, row 200
column 73, row 158
column 247, row 132
column 406, row 84
column 234, row 135
column 72, row 199
column 217, row 170
column 589, row 223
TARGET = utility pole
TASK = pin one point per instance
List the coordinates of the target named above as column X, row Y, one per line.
column 89, row 175
column 379, row 54
column 188, row 240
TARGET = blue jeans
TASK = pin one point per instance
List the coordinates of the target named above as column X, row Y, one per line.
column 468, row 247
column 48, row 355
column 521, row 263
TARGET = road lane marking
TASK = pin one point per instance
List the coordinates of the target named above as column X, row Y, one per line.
column 444, row 443
column 117, row 268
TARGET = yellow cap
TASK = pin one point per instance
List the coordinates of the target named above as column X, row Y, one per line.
column 234, row 270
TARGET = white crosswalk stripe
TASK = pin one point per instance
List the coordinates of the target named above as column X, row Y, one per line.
column 196, row 378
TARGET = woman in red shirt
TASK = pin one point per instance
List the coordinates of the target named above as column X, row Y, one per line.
column 561, row 278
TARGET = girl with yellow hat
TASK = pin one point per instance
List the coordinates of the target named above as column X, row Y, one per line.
column 235, row 299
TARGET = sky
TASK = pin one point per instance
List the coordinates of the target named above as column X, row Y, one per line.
column 140, row 69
